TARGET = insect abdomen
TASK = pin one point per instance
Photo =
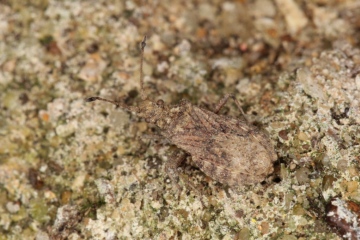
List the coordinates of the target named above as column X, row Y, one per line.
column 223, row 148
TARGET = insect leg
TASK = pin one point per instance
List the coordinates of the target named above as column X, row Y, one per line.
column 171, row 166
column 156, row 137
column 223, row 101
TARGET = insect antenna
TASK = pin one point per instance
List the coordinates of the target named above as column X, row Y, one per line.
column 142, row 45
column 122, row 104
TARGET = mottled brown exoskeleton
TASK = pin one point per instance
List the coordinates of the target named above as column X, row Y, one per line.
column 227, row 149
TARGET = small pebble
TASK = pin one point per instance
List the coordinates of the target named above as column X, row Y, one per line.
column 344, row 218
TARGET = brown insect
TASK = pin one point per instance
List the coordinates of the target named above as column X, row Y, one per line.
column 227, row 149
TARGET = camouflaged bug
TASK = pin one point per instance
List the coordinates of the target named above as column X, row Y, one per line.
column 227, row 149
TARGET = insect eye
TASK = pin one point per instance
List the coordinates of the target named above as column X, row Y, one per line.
column 160, row 103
